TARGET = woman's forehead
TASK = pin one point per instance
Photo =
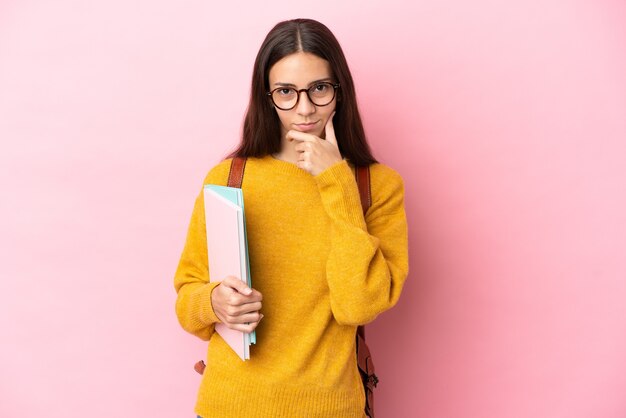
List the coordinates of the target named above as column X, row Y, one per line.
column 299, row 69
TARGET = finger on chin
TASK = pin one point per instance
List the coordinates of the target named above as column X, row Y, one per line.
column 300, row 136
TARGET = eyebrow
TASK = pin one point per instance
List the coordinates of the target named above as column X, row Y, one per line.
column 327, row 79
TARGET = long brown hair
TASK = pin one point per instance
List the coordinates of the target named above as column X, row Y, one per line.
column 261, row 129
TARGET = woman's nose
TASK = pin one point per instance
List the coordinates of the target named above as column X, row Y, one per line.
column 305, row 107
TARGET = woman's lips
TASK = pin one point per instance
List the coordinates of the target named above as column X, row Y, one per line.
column 305, row 127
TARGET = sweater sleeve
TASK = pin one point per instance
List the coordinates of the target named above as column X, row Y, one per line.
column 368, row 259
column 191, row 280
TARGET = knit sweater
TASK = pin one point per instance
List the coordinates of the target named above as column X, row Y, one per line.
column 322, row 268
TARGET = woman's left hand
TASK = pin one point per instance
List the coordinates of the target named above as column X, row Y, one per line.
column 316, row 154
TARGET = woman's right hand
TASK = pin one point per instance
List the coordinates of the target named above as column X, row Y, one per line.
column 237, row 305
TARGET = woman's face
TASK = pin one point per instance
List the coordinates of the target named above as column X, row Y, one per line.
column 302, row 70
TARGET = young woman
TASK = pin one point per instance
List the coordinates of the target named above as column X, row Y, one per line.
column 319, row 267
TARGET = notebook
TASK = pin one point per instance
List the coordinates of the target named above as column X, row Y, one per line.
column 227, row 250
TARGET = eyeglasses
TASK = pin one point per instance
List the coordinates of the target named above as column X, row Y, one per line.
column 320, row 94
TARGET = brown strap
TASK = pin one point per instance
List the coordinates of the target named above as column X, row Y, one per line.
column 365, row 192
column 235, row 176
column 364, row 358
column 367, row 372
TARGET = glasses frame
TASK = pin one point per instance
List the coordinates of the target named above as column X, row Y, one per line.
column 335, row 86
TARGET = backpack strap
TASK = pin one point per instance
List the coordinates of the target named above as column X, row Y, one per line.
column 235, row 175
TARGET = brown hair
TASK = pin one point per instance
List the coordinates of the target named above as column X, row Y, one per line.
column 261, row 129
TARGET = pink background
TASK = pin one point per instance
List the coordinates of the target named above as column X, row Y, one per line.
column 507, row 121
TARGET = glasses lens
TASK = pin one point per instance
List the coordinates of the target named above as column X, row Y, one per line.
column 285, row 98
column 322, row 94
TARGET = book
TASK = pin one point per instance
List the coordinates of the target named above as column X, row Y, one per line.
column 227, row 249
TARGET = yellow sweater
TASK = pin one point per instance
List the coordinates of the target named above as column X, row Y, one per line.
column 322, row 268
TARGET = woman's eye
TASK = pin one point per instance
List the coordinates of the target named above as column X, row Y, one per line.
column 320, row 88
column 285, row 92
